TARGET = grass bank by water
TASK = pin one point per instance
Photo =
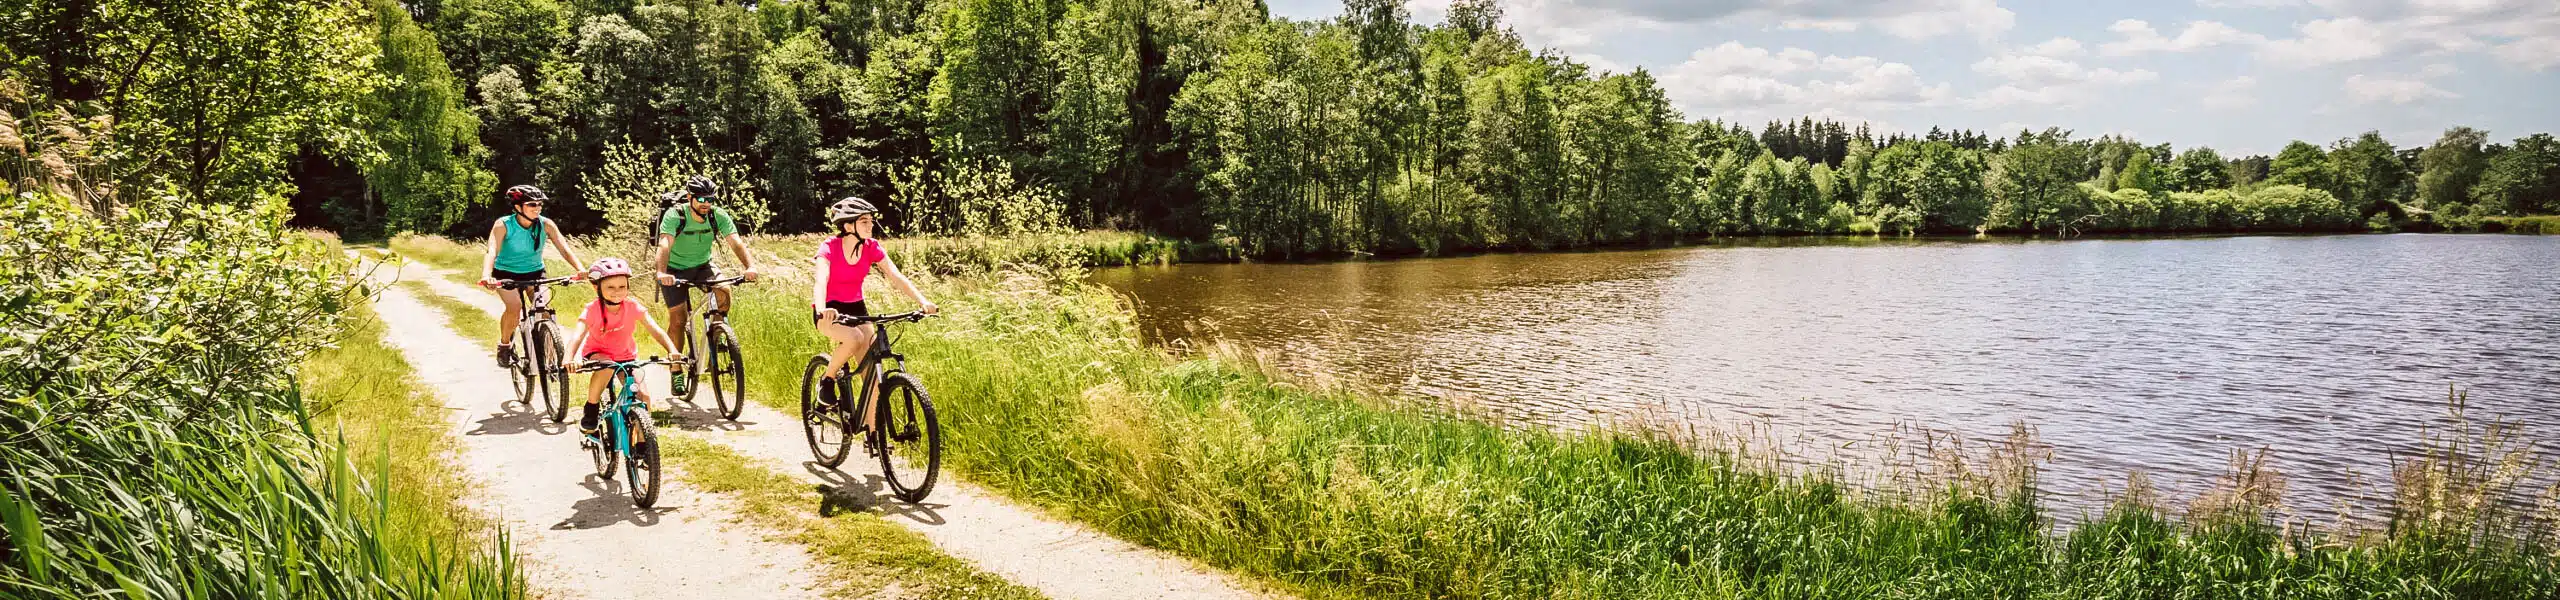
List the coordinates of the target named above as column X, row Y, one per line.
column 2544, row 225
column 1048, row 396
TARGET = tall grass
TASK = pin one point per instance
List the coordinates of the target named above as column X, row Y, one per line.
column 154, row 439
column 1048, row 395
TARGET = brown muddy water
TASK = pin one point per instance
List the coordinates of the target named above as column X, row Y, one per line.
column 2156, row 355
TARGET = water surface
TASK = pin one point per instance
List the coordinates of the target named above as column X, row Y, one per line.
column 2159, row 355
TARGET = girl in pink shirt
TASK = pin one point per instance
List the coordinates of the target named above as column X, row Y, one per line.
column 843, row 262
column 606, row 330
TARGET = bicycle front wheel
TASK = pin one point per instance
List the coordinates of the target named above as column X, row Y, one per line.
column 693, row 345
column 823, row 414
column 549, row 354
column 728, row 375
column 908, row 433
column 643, row 462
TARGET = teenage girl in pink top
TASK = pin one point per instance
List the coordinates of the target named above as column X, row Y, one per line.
column 606, row 330
column 843, row 262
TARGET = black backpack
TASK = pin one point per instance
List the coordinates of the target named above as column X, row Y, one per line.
column 666, row 202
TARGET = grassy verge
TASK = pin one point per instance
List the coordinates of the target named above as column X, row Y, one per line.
column 1049, row 397
column 2543, row 225
column 361, row 392
column 865, row 555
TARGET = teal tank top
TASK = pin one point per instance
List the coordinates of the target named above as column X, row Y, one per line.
column 521, row 250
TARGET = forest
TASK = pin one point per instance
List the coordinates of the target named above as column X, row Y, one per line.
column 1197, row 119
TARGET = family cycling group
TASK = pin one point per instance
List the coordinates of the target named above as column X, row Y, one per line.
column 688, row 231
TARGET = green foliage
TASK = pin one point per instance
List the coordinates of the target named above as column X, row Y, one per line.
column 978, row 198
column 2037, row 185
column 157, row 444
column 2138, row 174
column 206, row 99
column 2523, row 179
column 427, row 170
column 625, row 190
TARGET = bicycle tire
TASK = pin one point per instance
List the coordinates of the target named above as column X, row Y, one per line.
column 693, row 334
column 818, row 422
column 907, row 427
column 606, row 456
column 550, row 353
column 728, row 374
column 643, row 462
column 521, row 372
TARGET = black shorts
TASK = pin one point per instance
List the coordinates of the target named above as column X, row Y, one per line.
column 680, row 295
column 506, row 275
column 855, row 308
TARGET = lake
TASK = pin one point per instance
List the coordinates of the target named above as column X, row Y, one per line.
column 2157, row 355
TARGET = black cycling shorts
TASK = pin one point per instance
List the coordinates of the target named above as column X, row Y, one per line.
column 512, row 276
column 679, row 294
column 855, row 308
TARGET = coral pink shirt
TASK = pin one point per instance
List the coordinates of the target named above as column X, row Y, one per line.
column 610, row 331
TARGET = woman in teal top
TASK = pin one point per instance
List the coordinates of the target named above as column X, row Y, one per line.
column 515, row 254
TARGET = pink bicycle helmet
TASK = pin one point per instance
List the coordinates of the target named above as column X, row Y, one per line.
column 608, row 267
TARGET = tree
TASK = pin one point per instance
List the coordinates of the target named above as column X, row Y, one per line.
column 2302, row 164
column 2138, row 174
column 2036, row 186
column 425, row 166
column 2448, row 169
column 2367, row 173
column 2198, row 170
column 2523, row 179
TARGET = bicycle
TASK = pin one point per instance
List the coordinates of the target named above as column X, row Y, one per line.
column 538, row 371
column 622, row 419
column 707, row 335
column 905, row 422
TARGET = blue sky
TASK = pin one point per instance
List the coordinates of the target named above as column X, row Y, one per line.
column 2242, row 76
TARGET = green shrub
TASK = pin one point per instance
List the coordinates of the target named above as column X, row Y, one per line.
column 152, row 435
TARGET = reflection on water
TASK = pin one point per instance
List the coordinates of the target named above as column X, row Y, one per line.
column 2157, row 355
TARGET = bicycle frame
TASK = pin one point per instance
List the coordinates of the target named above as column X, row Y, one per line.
column 625, row 393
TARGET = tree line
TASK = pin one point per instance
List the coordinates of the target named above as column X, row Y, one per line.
column 1204, row 119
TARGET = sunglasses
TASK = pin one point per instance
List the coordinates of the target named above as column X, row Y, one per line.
column 535, row 204
column 705, row 198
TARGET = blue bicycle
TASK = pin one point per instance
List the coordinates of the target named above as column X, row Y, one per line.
column 629, row 437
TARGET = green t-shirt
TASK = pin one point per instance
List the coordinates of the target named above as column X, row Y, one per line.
column 694, row 239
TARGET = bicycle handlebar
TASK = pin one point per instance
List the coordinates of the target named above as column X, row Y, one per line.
column 518, row 285
column 730, row 280
column 909, row 316
column 599, row 365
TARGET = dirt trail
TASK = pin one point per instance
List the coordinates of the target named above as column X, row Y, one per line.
column 580, row 534
column 1062, row 559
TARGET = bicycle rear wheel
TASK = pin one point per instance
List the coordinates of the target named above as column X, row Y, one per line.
column 908, row 432
column 549, row 353
column 823, row 415
column 728, row 375
column 643, row 462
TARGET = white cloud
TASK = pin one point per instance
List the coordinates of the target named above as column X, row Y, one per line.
column 2137, row 37
column 1910, row 19
column 2367, row 90
column 1735, row 81
column 2038, row 79
column 2248, row 3
column 2523, row 33
column 2057, row 47
column 2234, row 93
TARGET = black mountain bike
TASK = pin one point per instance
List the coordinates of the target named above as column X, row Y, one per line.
column 538, row 372
column 904, row 424
column 707, row 337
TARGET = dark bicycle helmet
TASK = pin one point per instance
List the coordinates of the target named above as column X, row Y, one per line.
column 701, row 186
column 849, row 209
column 525, row 193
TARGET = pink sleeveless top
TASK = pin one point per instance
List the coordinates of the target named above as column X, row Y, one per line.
column 844, row 279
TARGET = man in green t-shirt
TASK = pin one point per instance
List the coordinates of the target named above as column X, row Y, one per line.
column 686, row 233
